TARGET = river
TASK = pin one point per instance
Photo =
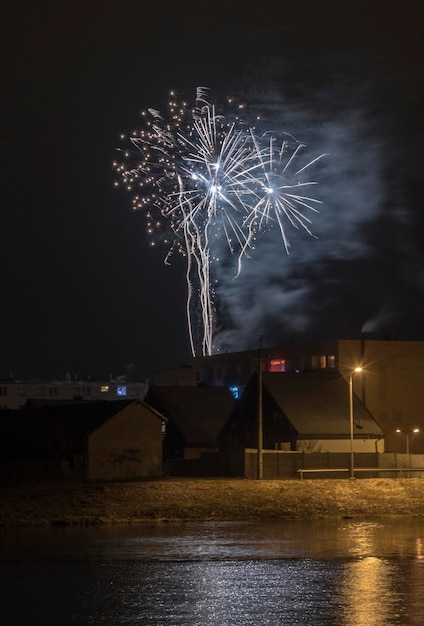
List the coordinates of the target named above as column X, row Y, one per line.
column 347, row 572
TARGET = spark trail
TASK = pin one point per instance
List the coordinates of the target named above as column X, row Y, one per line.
column 204, row 179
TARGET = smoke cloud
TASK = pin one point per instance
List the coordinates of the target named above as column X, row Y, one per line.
column 331, row 284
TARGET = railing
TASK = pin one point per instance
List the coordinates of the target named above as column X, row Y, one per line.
column 314, row 471
column 399, row 470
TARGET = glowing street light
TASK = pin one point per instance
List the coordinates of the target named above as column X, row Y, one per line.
column 357, row 369
column 407, row 433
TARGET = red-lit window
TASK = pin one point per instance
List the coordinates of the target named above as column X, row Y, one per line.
column 277, row 365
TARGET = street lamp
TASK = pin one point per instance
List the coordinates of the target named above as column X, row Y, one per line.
column 407, row 433
column 357, row 369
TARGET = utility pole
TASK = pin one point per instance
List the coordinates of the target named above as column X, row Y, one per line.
column 260, row 427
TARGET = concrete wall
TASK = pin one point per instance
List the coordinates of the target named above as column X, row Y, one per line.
column 128, row 446
column 340, row 445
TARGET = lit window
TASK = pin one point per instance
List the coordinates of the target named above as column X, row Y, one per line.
column 121, row 391
column 235, row 391
column 277, row 365
column 104, row 388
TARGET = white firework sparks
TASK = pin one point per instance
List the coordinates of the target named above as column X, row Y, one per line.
column 203, row 178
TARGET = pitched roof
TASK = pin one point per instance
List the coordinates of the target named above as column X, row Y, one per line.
column 199, row 412
column 317, row 404
column 25, row 429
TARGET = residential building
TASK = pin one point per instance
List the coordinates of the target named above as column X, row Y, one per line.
column 195, row 417
column 390, row 385
column 119, row 440
column 14, row 394
column 304, row 411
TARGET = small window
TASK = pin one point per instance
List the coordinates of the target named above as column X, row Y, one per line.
column 235, row 392
column 104, row 388
column 277, row 365
column 121, row 391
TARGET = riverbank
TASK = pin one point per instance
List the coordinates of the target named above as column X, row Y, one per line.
column 209, row 499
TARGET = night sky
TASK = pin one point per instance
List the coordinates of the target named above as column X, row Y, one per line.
column 82, row 292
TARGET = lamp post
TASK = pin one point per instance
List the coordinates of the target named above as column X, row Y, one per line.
column 407, row 433
column 260, row 427
column 357, row 369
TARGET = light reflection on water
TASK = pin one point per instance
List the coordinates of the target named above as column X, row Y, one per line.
column 346, row 572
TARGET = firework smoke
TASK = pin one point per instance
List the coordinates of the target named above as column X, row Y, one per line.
column 326, row 288
column 210, row 184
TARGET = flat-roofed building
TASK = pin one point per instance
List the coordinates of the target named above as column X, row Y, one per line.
column 15, row 394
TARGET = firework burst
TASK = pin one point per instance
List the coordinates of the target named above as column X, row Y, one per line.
column 203, row 178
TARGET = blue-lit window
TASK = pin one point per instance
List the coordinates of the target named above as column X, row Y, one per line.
column 121, row 391
column 235, row 391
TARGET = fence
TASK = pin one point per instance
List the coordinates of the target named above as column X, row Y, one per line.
column 284, row 465
column 279, row 464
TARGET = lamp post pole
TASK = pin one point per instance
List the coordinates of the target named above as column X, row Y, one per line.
column 352, row 469
column 260, row 427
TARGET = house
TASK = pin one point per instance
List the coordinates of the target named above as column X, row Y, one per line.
column 389, row 386
column 307, row 411
column 90, row 440
column 195, row 416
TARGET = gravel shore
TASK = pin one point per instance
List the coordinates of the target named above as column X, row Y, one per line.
column 209, row 499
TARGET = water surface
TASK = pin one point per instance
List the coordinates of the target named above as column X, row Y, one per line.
column 348, row 573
